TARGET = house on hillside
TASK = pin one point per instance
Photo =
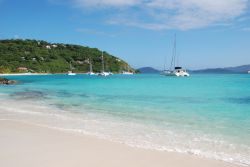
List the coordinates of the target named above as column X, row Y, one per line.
column 48, row 47
column 22, row 69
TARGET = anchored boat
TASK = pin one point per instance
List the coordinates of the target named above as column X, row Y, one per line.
column 90, row 68
column 103, row 73
column 175, row 70
column 71, row 68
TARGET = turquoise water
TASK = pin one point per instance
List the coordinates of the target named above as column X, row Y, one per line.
column 206, row 115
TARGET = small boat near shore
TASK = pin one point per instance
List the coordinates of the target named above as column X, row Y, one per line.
column 90, row 68
column 248, row 72
column 127, row 73
column 91, row 73
column 71, row 72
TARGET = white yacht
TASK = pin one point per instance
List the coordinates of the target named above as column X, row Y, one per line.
column 248, row 72
column 104, row 74
column 91, row 73
column 175, row 70
column 71, row 72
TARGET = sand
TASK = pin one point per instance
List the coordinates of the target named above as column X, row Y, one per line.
column 28, row 145
column 23, row 74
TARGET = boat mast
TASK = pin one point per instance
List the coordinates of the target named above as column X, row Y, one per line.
column 177, row 57
column 90, row 66
column 70, row 66
column 174, row 54
column 174, row 50
column 165, row 63
column 102, row 63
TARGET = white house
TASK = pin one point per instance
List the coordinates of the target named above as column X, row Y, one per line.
column 48, row 47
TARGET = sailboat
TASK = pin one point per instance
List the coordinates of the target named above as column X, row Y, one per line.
column 90, row 68
column 175, row 70
column 103, row 73
column 70, row 72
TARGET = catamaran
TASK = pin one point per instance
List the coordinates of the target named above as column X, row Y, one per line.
column 103, row 73
column 175, row 70
column 70, row 72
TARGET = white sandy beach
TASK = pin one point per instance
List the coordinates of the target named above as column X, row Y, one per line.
column 27, row 145
column 23, row 74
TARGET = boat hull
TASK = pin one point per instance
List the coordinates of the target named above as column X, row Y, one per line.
column 175, row 73
column 104, row 74
column 91, row 73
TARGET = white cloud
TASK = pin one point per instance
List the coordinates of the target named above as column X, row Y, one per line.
column 168, row 14
column 246, row 29
column 106, row 3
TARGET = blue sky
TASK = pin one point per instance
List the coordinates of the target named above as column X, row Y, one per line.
column 209, row 33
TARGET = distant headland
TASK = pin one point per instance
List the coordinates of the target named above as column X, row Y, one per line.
column 225, row 70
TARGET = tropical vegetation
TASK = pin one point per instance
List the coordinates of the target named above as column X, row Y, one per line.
column 17, row 55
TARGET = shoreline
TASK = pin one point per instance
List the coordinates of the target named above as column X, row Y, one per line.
column 43, row 146
column 24, row 74
column 45, row 117
column 32, row 74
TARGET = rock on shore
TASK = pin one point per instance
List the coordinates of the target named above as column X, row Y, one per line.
column 4, row 81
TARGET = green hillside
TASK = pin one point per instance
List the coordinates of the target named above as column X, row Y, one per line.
column 43, row 57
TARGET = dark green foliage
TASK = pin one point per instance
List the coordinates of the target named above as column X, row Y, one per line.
column 41, row 56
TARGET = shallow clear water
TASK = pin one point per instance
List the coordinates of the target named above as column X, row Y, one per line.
column 207, row 115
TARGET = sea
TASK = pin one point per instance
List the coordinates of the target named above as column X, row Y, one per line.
column 205, row 115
